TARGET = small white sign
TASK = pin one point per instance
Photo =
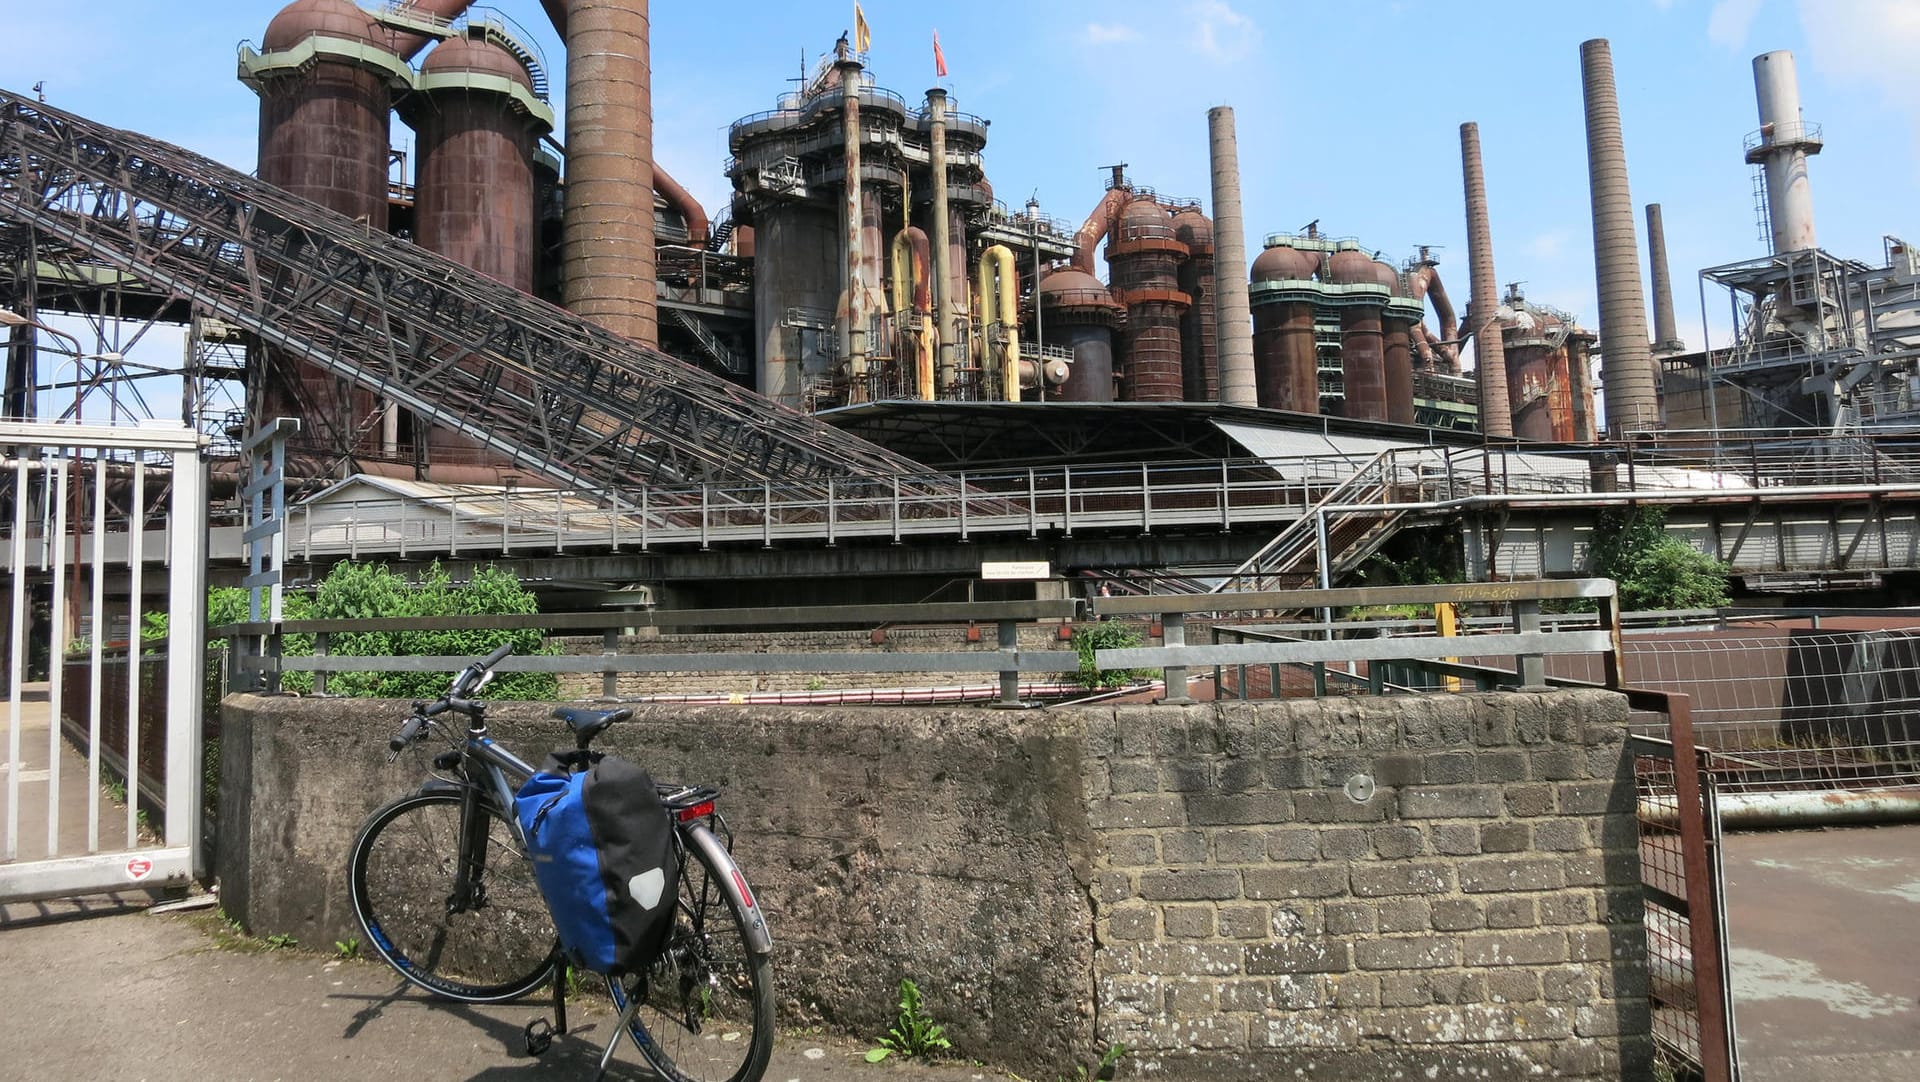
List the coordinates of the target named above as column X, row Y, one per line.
column 139, row 868
column 1016, row 569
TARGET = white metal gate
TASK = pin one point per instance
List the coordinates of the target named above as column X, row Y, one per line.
column 103, row 526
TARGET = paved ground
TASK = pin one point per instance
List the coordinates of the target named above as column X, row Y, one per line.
column 1825, row 934
column 113, row 993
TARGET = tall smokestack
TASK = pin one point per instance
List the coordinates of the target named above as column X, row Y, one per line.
column 1232, row 314
column 1489, row 352
column 948, row 365
column 608, row 228
column 1626, row 370
column 1785, row 141
column 1666, row 332
column 853, row 277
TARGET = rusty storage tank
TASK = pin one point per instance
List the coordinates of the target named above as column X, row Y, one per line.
column 1283, row 295
column 1080, row 315
column 1144, row 256
column 1199, row 337
column 1537, row 388
column 1362, row 301
column 1399, row 324
column 479, row 124
column 326, row 76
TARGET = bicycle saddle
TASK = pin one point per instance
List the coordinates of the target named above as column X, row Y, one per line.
column 587, row 724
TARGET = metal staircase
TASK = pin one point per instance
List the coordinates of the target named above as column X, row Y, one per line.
column 1352, row 533
column 710, row 342
column 721, row 232
column 541, row 388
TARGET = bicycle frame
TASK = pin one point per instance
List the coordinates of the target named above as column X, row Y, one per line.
column 502, row 768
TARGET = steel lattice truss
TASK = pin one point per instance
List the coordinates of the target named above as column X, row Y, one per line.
column 402, row 322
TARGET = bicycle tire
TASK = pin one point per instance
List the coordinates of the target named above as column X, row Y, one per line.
column 400, row 877
column 726, row 1034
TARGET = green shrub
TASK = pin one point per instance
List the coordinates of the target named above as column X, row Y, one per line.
column 357, row 591
column 1105, row 635
column 1654, row 569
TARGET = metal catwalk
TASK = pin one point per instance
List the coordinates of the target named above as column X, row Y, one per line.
column 401, row 322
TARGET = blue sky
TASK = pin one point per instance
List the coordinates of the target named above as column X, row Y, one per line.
column 1347, row 113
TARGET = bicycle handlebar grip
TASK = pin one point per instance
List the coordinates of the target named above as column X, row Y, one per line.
column 499, row 654
column 408, row 732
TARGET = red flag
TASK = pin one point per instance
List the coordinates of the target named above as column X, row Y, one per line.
column 939, row 58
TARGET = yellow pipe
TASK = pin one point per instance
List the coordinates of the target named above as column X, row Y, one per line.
column 1000, row 303
column 907, row 275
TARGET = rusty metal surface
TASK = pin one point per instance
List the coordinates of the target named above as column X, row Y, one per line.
column 1821, row 924
column 1362, row 361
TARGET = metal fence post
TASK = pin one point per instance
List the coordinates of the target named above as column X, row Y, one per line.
column 609, row 646
column 1173, row 632
column 1009, row 642
column 1532, row 668
column 321, row 642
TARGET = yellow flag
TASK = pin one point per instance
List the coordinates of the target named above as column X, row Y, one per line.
column 862, row 36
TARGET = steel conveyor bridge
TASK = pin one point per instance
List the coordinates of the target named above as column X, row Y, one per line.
column 401, row 322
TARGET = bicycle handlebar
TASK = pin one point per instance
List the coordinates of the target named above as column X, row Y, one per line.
column 455, row 699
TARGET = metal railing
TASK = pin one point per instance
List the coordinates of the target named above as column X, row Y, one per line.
column 259, row 660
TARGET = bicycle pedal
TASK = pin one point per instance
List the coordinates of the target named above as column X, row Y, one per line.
column 539, row 1035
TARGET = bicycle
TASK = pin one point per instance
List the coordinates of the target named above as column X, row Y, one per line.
column 440, row 883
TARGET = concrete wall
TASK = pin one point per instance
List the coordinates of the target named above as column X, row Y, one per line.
column 1193, row 882
column 887, row 641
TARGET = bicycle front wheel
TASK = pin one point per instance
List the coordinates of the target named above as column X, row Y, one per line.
column 706, row 1010
column 485, row 940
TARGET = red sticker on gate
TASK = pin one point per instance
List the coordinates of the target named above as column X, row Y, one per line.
column 139, row 868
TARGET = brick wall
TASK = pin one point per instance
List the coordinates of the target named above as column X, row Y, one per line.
column 1476, row 913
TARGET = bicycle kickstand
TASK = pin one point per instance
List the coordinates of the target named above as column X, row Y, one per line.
column 619, row 1027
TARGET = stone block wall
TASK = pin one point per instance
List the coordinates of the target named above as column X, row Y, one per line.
column 1212, row 886
column 1372, row 888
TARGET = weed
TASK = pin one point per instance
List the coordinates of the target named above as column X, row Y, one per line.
column 914, row 1033
column 347, row 948
column 281, row 941
column 816, row 683
column 1105, row 635
column 1104, row 1068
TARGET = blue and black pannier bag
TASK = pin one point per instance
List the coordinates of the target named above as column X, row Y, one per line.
column 602, row 850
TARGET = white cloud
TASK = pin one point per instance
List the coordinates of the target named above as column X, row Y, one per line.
column 1220, row 32
column 1729, row 22
column 1549, row 245
column 1867, row 41
column 1110, row 33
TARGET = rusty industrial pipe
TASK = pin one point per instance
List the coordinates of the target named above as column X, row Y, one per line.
column 852, row 275
column 407, row 45
column 1627, row 371
column 1490, row 358
column 682, row 200
column 608, row 228
column 1100, row 222
column 1426, row 286
column 942, row 240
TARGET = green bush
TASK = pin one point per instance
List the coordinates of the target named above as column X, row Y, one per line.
column 1105, row 635
column 1654, row 569
column 357, row 591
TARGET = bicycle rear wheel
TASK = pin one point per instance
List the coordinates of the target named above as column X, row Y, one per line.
column 402, row 876
column 706, row 1013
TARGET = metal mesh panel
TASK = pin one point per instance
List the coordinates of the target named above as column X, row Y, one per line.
column 1796, row 708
